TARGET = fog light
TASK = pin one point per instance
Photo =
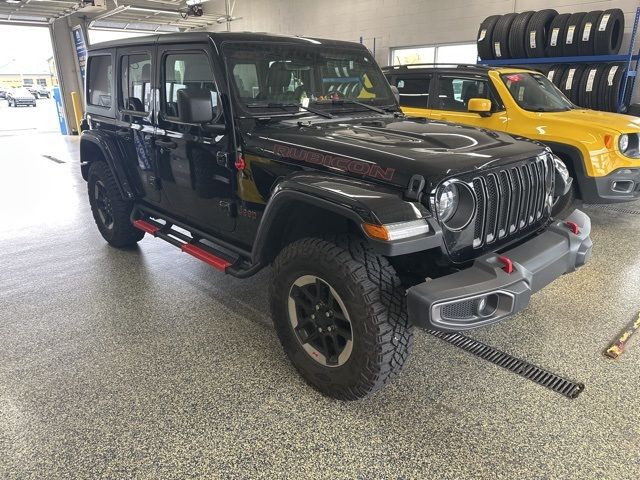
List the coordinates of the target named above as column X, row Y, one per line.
column 622, row 186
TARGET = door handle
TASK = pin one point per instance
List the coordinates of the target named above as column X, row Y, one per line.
column 123, row 133
column 168, row 144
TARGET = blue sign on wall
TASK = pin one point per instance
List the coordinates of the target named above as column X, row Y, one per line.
column 81, row 48
column 57, row 96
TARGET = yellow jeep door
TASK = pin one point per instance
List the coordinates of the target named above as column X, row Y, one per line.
column 451, row 100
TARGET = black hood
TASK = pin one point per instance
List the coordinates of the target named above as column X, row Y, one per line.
column 389, row 149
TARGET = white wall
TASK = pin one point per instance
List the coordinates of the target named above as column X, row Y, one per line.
column 394, row 23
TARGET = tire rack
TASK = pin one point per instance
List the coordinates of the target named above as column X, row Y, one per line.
column 628, row 60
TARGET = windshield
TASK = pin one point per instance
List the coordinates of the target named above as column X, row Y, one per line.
column 268, row 76
column 534, row 92
column 21, row 91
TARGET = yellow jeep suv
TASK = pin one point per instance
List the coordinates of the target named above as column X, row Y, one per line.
column 601, row 149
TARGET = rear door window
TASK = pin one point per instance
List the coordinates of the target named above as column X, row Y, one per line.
column 136, row 82
column 99, row 81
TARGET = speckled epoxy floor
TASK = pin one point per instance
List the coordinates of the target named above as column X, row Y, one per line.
column 148, row 364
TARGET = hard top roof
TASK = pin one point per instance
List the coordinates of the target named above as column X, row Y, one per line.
column 217, row 37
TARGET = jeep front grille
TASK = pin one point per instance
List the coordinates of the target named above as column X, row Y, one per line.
column 511, row 200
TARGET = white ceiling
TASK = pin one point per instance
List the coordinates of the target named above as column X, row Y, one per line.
column 134, row 15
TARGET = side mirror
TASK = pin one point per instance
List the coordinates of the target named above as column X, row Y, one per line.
column 396, row 93
column 195, row 105
column 481, row 106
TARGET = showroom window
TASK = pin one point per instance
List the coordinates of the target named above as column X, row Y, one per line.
column 457, row 53
column 99, row 81
column 407, row 56
column 454, row 93
column 136, row 82
column 184, row 71
column 414, row 90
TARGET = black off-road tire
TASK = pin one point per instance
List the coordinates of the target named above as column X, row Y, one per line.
column 121, row 233
column 374, row 299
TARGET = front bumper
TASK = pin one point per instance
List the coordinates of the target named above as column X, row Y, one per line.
column 485, row 293
column 621, row 185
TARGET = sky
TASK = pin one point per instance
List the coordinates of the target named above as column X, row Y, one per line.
column 27, row 47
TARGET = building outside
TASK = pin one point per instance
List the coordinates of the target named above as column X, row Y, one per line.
column 15, row 74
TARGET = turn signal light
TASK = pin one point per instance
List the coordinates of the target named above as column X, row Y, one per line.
column 396, row 231
column 608, row 141
column 376, row 231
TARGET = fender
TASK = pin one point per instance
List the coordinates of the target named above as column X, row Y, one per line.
column 587, row 190
column 356, row 201
column 112, row 156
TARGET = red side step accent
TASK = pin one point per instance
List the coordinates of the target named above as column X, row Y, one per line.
column 146, row 226
column 216, row 262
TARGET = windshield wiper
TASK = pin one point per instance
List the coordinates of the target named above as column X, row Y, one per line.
column 284, row 106
column 342, row 101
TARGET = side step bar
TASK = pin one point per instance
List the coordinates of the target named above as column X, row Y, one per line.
column 219, row 258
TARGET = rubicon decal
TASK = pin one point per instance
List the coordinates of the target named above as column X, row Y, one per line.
column 345, row 164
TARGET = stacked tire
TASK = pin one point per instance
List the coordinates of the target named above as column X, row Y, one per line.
column 597, row 86
column 546, row 33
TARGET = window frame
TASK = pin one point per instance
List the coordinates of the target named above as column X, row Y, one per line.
column 127, row 53
column 100, row 109
column 497, row 106
column 162, row 112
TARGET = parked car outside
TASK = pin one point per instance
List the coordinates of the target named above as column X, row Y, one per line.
column 33, row 89
column 3, row 92
column 20, row 96
column 43, row 92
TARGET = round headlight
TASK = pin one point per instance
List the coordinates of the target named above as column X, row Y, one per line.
column 623, row 142
column 447, row 202
column 455, row 205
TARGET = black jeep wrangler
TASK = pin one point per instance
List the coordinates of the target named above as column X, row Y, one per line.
column 249, row 150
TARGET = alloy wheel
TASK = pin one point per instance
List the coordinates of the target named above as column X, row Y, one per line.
column 320, row 321
column 103, row 204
